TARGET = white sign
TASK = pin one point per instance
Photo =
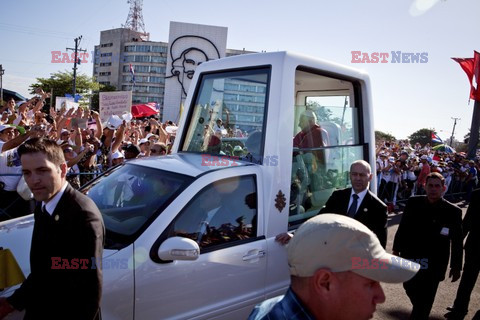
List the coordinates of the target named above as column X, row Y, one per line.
column 65, row 103
column 189, row 46
column 117, row 102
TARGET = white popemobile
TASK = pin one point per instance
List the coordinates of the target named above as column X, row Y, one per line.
column 191, row 235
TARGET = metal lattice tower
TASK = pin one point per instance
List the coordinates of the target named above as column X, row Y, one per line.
column 135, row 16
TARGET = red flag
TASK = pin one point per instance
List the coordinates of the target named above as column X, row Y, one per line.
column 475, row 91
column 471, row 66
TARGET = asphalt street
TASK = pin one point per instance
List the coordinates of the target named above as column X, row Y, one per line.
column 397, row 304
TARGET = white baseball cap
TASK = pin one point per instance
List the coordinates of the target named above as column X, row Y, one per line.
column 151, row 135
column 5, row 126
column 340, row 243
column 117, row 155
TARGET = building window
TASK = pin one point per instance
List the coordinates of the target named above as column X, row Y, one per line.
column 155, row 90
column 157, row 69
column 129, row 48
column 157, row 79
column 231, row 86
column 260, row 99
column 140, row 69
column 128, row 58
column 142, row 58
column 141, row 89
column 159, row 49
column 105, row 73
column 261, row 89
column 138, row 79
column 105, row 64
column 247, row 88
column 108, row 54
column 158, row 59
column 229, row 96
column 106, row 45
column 142, row 48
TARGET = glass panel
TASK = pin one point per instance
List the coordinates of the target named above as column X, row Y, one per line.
column 159, row 49
column 335, row 115
column 223, row 212
column 157, row 69
column 157, row 79
column 234, row 128
column 139, row 48
column 130, row 195
column 313, row 182
column 158, row 59
column 128, row 58
column 142, row 59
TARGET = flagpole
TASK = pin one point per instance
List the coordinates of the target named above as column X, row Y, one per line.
column 473, row 141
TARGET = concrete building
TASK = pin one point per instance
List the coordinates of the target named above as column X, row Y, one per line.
column 120, row 48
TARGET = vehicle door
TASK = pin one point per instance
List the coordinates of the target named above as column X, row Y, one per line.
column 223, row 212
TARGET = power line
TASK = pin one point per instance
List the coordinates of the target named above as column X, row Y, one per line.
column 34, row 31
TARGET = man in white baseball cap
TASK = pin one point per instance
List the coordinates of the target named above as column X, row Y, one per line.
column 336, row 266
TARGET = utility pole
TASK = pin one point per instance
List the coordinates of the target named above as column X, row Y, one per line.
column 75, row 61
column 2, row 72
column 453, row 131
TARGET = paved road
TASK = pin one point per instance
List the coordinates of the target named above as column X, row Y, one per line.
column 398, row 306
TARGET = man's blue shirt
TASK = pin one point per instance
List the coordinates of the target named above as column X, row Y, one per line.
column 288, row 308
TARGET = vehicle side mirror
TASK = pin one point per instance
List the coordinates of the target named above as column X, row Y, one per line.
column 179, row 248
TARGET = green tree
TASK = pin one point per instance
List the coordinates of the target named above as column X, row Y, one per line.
column 383, row 136
column 61, row 83
column 422, row 136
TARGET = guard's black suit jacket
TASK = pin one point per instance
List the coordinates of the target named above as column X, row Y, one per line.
column 372, row 211
column 471, row 224
column 420, row 236
column 74, row 231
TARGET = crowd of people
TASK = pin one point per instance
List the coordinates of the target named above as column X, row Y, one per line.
column 402, row 170
column 90, row 145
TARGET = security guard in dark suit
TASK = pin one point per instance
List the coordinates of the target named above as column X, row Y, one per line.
column 359, row 203
column 430, row 226
column 471, row 227
column 65, row 281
